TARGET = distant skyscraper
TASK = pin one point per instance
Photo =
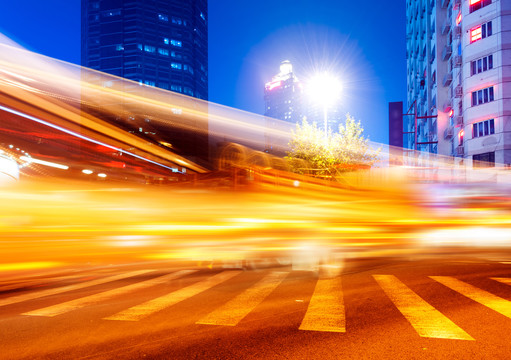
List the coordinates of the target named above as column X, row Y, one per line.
column 457, row 61
column 283, row 95
column 283, row 101
column 162, row 43
column 156, row 43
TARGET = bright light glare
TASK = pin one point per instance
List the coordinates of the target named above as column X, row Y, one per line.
column 324, row 88
column 43, row 162
column 101, row 175
column 88, row 172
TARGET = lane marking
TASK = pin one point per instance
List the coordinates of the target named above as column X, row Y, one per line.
column 326, row 307
column 143, row 310
column 67, row 306
column 42, row 293
column 503, row 280
column 231, row 313
column 425, row 319
column 494, row 302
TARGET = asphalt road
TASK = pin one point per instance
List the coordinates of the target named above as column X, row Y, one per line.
column 441, row 307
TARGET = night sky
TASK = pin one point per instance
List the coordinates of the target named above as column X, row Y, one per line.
column 363, row 42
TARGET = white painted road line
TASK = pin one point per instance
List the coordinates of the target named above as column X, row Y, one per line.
column 425, row 319
column 326, row 307
column 48, row 292
column 483, row 297
column 67, row 306
column 236, row 309
column 143, row 310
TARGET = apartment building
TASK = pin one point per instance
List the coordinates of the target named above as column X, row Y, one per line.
column 459, row 79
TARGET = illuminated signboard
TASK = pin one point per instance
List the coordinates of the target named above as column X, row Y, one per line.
column 473, row 2
column 272, row 85
column 458, row 19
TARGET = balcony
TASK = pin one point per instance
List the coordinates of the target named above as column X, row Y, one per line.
column 460, row 150
column 457, row 32
column 445, row 28
column 447, row 79
column 446, row 52
column 458, row 120
column 458, row 60
column 458, row 91
column 448, row 133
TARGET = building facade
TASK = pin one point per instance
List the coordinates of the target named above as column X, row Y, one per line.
column 283, row 98
column 459, row 79
column 162, row 43
column 156, row 44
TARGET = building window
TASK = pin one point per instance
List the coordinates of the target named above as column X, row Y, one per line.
column 163, row 52
column 477, row 4
column 176, row 43
column 111, row 13
column 177, row 21
column 482, row 96
column 177, row 66
column 176, row 88
column 166, row 41
column 163, row 17
column 149, row 49
column 481, row 32
column 483, row 128
column 480, row 65
column 484, row 160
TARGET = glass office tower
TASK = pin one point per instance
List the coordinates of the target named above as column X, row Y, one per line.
column 162, row 43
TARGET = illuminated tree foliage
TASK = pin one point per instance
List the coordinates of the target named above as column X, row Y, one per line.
column 329, row 154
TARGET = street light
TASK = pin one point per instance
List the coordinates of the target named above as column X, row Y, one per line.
column 324, row 89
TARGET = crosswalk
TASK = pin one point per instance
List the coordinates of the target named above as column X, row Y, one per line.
column 326, row 309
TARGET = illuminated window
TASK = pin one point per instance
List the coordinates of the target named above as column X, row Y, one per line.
column 163, row 17
column 458, row 18
column 176, row 88
column 177, row 21
column 163, row 52
column 177, row 66
column 481, row 32
column 149, row 49
column 483, row 128
column 477, row 4
column 111, row 13
column 166, row 41
column 475, row 34
column 202, row 16
column 176, row 43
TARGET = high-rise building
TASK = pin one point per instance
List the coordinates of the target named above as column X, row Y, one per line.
column 162, row 43
column 155, row 43
column 283, row 101
column 458, row 66
column 283, row 95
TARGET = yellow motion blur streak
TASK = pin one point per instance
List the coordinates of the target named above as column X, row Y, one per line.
column 29, row 265
column 498, row 304
column 425, row 319
column 235, row 310
column 326, row 308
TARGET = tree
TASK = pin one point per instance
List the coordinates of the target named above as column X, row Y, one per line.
column 330, row 153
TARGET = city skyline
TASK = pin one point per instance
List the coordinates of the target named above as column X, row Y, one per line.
column 343, row 38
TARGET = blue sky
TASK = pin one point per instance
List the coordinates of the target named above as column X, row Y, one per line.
column 362, row 42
